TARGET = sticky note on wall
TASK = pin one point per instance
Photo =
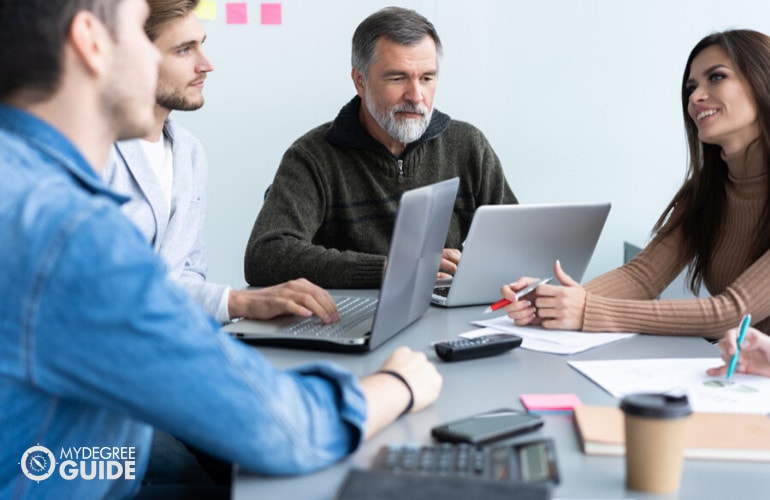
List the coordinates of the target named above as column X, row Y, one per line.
column 271, row 13
column 206, row 10
column 236, row 13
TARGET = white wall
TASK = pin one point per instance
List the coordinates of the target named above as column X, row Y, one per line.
column 580, row 99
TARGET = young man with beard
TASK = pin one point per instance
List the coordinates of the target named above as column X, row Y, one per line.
column 98, row 348
column 165, row 174
column 329, row 213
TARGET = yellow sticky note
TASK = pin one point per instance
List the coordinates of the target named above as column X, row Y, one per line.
column 206, row 10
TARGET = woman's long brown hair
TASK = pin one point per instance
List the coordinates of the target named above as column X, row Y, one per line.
column 701, row 202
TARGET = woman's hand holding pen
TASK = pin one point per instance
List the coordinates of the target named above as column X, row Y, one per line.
column 550, row 306
column 754, row 356
column 521, row 311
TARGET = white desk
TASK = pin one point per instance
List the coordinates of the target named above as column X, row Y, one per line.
column 488, row 383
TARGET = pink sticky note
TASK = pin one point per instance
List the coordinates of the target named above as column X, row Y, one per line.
column 539, row 403
column 271, row 13
column 236, row 13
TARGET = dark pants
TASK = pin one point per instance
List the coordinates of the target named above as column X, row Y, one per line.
column 177, row 471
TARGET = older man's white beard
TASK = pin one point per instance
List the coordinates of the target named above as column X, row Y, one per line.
column 405, row 131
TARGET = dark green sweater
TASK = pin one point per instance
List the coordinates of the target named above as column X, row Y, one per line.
column 332, row 205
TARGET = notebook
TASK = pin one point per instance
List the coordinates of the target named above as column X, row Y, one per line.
column 710, row 436
column 414, row 255
column 506, row 242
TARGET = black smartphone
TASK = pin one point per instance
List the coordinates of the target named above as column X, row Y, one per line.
column 487, row 427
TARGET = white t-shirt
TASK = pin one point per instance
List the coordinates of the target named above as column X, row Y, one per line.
column 161, row 158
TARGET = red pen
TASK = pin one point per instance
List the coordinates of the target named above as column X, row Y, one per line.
column 504, row 302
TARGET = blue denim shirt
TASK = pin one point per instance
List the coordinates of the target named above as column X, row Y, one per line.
column 98, row 347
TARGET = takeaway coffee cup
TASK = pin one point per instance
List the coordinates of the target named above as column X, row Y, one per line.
column 656, row 428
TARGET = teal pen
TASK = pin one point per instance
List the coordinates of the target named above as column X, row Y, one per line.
column 741, row 333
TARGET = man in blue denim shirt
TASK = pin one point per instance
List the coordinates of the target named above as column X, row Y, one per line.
column 97, row 346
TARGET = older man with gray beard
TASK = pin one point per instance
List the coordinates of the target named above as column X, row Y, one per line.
column 330, row 211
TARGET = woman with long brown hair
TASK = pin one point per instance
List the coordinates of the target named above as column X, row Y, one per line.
column 718, row 224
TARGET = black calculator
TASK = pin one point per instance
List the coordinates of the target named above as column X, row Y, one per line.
column 531, row 461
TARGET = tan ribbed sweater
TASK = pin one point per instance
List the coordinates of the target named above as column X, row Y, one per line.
column 622, row 300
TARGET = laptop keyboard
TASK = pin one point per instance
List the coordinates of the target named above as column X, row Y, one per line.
column 352, row 310
column 442, row 291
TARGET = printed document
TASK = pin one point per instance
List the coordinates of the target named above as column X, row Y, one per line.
column 740, row 394
column 536, row 338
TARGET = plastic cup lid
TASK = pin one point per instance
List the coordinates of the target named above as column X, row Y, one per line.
column 656, row 405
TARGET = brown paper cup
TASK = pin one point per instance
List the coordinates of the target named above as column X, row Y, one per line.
column 655, row 428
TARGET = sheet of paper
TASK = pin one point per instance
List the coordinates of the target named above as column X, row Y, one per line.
column 740, row 394
column 536, row 338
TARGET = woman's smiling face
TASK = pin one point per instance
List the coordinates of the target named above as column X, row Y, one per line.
column 721, row 102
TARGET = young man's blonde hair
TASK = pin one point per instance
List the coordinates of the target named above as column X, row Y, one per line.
column 163, row 12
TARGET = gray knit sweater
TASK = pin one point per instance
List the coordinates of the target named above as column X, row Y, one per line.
column 331, row 208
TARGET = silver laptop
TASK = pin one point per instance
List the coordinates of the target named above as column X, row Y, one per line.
column 506, row 242
column 419, row 234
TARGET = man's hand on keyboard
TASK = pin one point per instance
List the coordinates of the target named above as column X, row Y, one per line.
column 299, row 297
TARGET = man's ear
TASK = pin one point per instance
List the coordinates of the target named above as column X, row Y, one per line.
column 359, row 81
column 91, row 41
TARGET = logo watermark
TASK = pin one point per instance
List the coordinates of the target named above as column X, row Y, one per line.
column 39, row 463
